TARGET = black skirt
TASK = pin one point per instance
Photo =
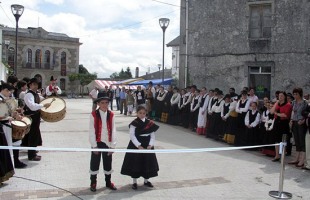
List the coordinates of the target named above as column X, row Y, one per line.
column 140, row 164
column 215, row 128
column 6, row 165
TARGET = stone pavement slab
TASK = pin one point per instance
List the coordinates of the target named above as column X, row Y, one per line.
column 238, row 174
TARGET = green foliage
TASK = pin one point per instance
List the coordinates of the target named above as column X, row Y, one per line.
column 83, row 78
column 83, row 70
column 122, row 74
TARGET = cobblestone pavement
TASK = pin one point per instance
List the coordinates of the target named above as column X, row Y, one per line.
column 238, row 174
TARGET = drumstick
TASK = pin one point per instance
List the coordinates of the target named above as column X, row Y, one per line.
column 51, row 102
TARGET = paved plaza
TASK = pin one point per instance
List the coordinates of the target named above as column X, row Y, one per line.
column 238, row 174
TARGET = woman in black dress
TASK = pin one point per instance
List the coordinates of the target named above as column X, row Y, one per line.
column 142, row 136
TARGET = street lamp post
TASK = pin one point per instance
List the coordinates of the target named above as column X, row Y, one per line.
column 164, row 23
column 17, row 11
column 159, row 66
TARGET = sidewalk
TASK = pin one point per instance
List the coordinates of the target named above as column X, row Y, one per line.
column 238, row 174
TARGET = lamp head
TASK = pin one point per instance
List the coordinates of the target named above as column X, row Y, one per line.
column 17, row 10
column 164, row 23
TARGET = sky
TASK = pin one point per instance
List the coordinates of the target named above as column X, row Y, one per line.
column 115, row 34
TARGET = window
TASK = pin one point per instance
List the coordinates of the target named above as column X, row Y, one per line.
column 260, row 21
column 11, row 57
column 63, row 61
column 63, row 84
column 47, row 59
column 29, row 58
column 260, row 79
column 38, row 58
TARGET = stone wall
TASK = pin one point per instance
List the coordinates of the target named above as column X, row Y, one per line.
column 219, row 46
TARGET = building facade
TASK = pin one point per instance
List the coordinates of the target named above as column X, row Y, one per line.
column 175, row 45
column 42, row 54
column 256, row 43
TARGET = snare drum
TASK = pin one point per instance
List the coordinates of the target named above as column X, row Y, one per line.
column 18, row 129
column 54, row 113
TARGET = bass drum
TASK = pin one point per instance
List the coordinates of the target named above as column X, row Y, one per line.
column 28, row 121
column 57, row 110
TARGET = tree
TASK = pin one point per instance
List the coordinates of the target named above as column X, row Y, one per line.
column 83, row 70
column 122, row 74
column 84, row 77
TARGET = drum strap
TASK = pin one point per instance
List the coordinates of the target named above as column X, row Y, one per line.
column 5, row 123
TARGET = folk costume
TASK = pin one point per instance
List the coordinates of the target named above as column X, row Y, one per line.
column 6, row 165
column 215, row 130
column 210, row 117
column 160, row 103
column 102, row 135
column 167, row 105
column 186, row 109
column 174, row 110
column 150, row 95
column 32, row 109
column 195, row 104
column 52, row 89
column 202, row 115
column 142, row 133
column 140, row 97
column 242, row 109
column 232, row 124
column 225, row 112
column 252, row 119
column 268, row 130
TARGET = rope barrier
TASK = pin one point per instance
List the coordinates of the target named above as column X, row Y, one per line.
column 197, row 150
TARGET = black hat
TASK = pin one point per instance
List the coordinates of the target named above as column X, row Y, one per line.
column 150, row 83
column 5, row 85
column 101, row 96
column 52, row 78
column 33, row 80
column 219, row 92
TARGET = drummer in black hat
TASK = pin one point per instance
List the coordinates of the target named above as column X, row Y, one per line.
column 102, row 136
column 53, row 89
column 32, row 109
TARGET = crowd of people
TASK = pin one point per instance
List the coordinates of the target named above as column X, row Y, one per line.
column 237, row 119
column 21, row 99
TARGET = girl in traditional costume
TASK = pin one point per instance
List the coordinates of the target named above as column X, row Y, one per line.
column 142, row 136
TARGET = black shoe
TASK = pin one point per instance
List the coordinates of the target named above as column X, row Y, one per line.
column 93, row 187
column 275, row 160
column 148, row 184
column 20, row 165
column 36, row 158
column 111, row 186
column 134, row 186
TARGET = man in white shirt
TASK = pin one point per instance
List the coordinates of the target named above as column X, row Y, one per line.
column 32, row 109
column 93, row 95
column 102, row 136
column 52, row 89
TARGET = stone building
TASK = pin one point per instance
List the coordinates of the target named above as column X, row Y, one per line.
column 42, row 54
column 257, row 43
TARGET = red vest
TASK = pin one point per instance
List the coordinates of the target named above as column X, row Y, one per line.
column 98, row 124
